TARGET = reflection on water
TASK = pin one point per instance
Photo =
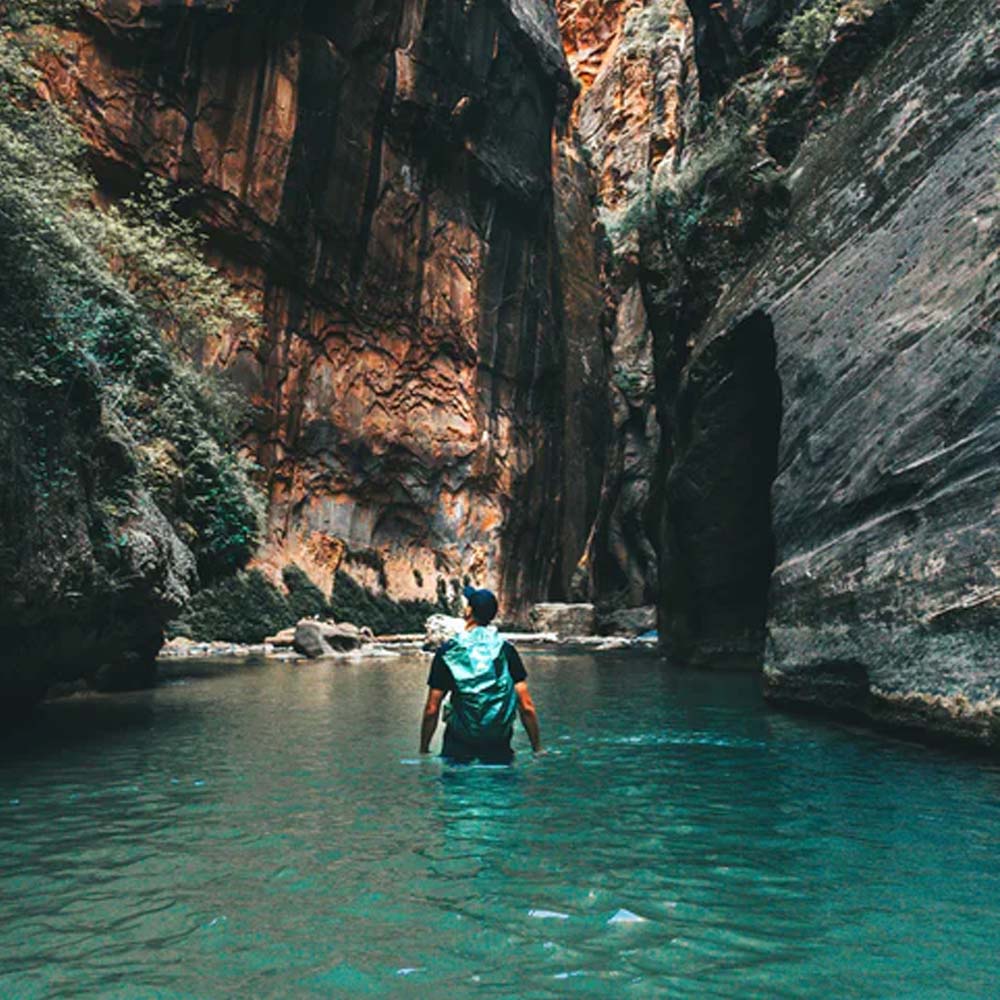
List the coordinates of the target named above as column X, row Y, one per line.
column 268, row 830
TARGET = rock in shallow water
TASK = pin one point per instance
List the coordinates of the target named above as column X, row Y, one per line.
column 838, row 397
column 441, row 628
column 284, row 638
column 318, row 638
column 627, row 621
column 563, row 619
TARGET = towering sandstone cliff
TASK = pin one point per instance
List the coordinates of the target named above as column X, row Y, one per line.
column 810, row 206
column 633, row 61
column 377, row 180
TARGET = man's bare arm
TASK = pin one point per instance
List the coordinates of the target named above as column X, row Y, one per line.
column 432, row 712
column 529, row 717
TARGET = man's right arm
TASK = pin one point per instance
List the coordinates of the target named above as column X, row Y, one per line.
column 529, row 717
column 429, row 722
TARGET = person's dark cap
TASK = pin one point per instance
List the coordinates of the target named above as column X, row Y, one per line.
column 483, row 603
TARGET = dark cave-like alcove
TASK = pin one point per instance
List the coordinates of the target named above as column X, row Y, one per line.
column 718, row 550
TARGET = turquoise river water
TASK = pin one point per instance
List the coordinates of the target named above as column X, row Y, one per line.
column 269, row 831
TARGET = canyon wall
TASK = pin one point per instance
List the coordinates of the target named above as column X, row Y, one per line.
column 885, row 300
column 820, row 269
column 713, row 324
column 428, row 391
column 800, row 206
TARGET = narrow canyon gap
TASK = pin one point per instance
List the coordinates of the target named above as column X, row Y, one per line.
column 719, row 545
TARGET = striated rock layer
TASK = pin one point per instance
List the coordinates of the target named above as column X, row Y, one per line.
column 377, row 179
column 885, row 299
column 720, row 332
column 826, row 317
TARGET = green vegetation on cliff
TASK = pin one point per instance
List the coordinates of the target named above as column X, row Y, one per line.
column 245, row 608
column 350, row 602
column 248, row 607
column 118, row 472
column 807, row 35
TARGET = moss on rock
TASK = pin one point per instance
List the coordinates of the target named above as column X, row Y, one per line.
column 120, row 493
column 351, row 602
column 248, row 607
column 244, row 608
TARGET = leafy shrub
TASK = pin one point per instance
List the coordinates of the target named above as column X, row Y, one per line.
column 305, row 599
column 161, row 255
column 216, row 505
column 351, row 602
column 621, row 224
column 807, row 35
column 89, row 386
column 246, row 607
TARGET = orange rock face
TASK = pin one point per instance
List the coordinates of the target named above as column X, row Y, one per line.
column 590, row 29
column 379, row 185
column 632, row 59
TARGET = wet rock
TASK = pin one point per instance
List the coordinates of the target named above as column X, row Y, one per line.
column 532, row 638
column 179, row 646
column 286, row 637
column 131, row 671
column 563, row 619
column 595, row 643
column 627, row 621
column 318, row 638
column 718, row 549
column 184, row 648
column 867, row 386
column 441, row 628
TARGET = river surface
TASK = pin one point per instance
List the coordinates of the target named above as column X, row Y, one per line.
column 269, row 831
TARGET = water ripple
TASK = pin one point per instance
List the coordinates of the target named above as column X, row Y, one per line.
column 268, row 832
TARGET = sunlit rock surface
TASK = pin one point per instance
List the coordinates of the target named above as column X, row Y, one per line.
column 577, row 339
column 378, row 182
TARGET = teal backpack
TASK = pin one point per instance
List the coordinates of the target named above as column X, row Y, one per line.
column 484, row 701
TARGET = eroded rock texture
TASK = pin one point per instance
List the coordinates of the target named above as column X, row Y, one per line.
column 715, row 326
column 732, row 35
column 870, row 281
column 377, row 178
column 633, row 62
column 885, row 504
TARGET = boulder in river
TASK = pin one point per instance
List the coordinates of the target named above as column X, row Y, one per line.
column 627, row 621
column 563, row 619
column 315, row 638
column 286, row 637
column 441, row 628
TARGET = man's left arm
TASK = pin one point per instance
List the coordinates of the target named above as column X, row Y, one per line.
column 529, row 717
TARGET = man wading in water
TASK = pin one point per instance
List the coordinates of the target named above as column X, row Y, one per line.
column 488, row 683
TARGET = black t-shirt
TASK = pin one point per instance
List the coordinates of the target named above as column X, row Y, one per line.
column 440, row 676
